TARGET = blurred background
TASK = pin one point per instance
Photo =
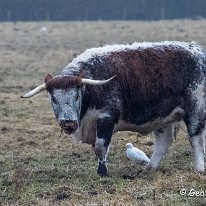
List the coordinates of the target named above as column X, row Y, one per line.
column 64, row 10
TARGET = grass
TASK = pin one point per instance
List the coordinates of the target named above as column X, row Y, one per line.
column 37, row 167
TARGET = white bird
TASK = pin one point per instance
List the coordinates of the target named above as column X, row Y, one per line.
column 43, row 29
column 136, row 155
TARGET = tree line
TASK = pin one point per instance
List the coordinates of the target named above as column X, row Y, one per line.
column 63, row 10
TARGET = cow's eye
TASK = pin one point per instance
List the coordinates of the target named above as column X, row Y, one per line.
column 54, row 100
column 77, row 97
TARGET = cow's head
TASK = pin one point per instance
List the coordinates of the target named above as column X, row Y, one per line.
column 66, row 98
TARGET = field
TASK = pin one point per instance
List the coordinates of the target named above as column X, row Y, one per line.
column 37, row 166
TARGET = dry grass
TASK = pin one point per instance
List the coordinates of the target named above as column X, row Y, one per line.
column 37, row 167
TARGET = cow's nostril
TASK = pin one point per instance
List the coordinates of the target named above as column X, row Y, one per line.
column 62, row 122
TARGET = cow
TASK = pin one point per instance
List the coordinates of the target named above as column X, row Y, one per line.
column 143, row 87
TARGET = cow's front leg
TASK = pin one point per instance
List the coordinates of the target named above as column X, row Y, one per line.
column 105, row 128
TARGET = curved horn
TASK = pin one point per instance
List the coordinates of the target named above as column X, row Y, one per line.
column 34, row 91
column 96, row 82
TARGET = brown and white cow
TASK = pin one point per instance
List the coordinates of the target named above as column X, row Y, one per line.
column 156, row 85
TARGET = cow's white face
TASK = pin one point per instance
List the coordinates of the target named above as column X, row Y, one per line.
column 66, row 104
column 66, row 98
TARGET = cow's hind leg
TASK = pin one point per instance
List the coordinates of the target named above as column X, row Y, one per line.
column 163, row 139
column 197, row 143
column 196, row 129
column 195, row 119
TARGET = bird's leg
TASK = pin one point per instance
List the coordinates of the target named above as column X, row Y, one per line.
column 163, row 139
column 105, row 128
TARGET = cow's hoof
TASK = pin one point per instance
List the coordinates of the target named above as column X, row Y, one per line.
column 150, row 168
column 199, row 169
column 102, row 170
column 103, row 175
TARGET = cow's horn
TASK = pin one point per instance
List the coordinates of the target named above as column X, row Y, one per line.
column 96, row 82
column 34, row 91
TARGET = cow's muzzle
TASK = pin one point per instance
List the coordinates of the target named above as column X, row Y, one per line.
column 69, row 126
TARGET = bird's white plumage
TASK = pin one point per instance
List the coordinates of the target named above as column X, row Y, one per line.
column 136, row 155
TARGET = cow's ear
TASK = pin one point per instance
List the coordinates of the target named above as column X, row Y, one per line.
column 47, row 78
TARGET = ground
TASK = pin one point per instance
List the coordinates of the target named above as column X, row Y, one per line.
column 40, row 167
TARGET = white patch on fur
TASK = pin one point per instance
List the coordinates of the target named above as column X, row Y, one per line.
column 150, row 126
column 192, row 47
column 86, row 133
column 198, row 94
column 99, row 141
